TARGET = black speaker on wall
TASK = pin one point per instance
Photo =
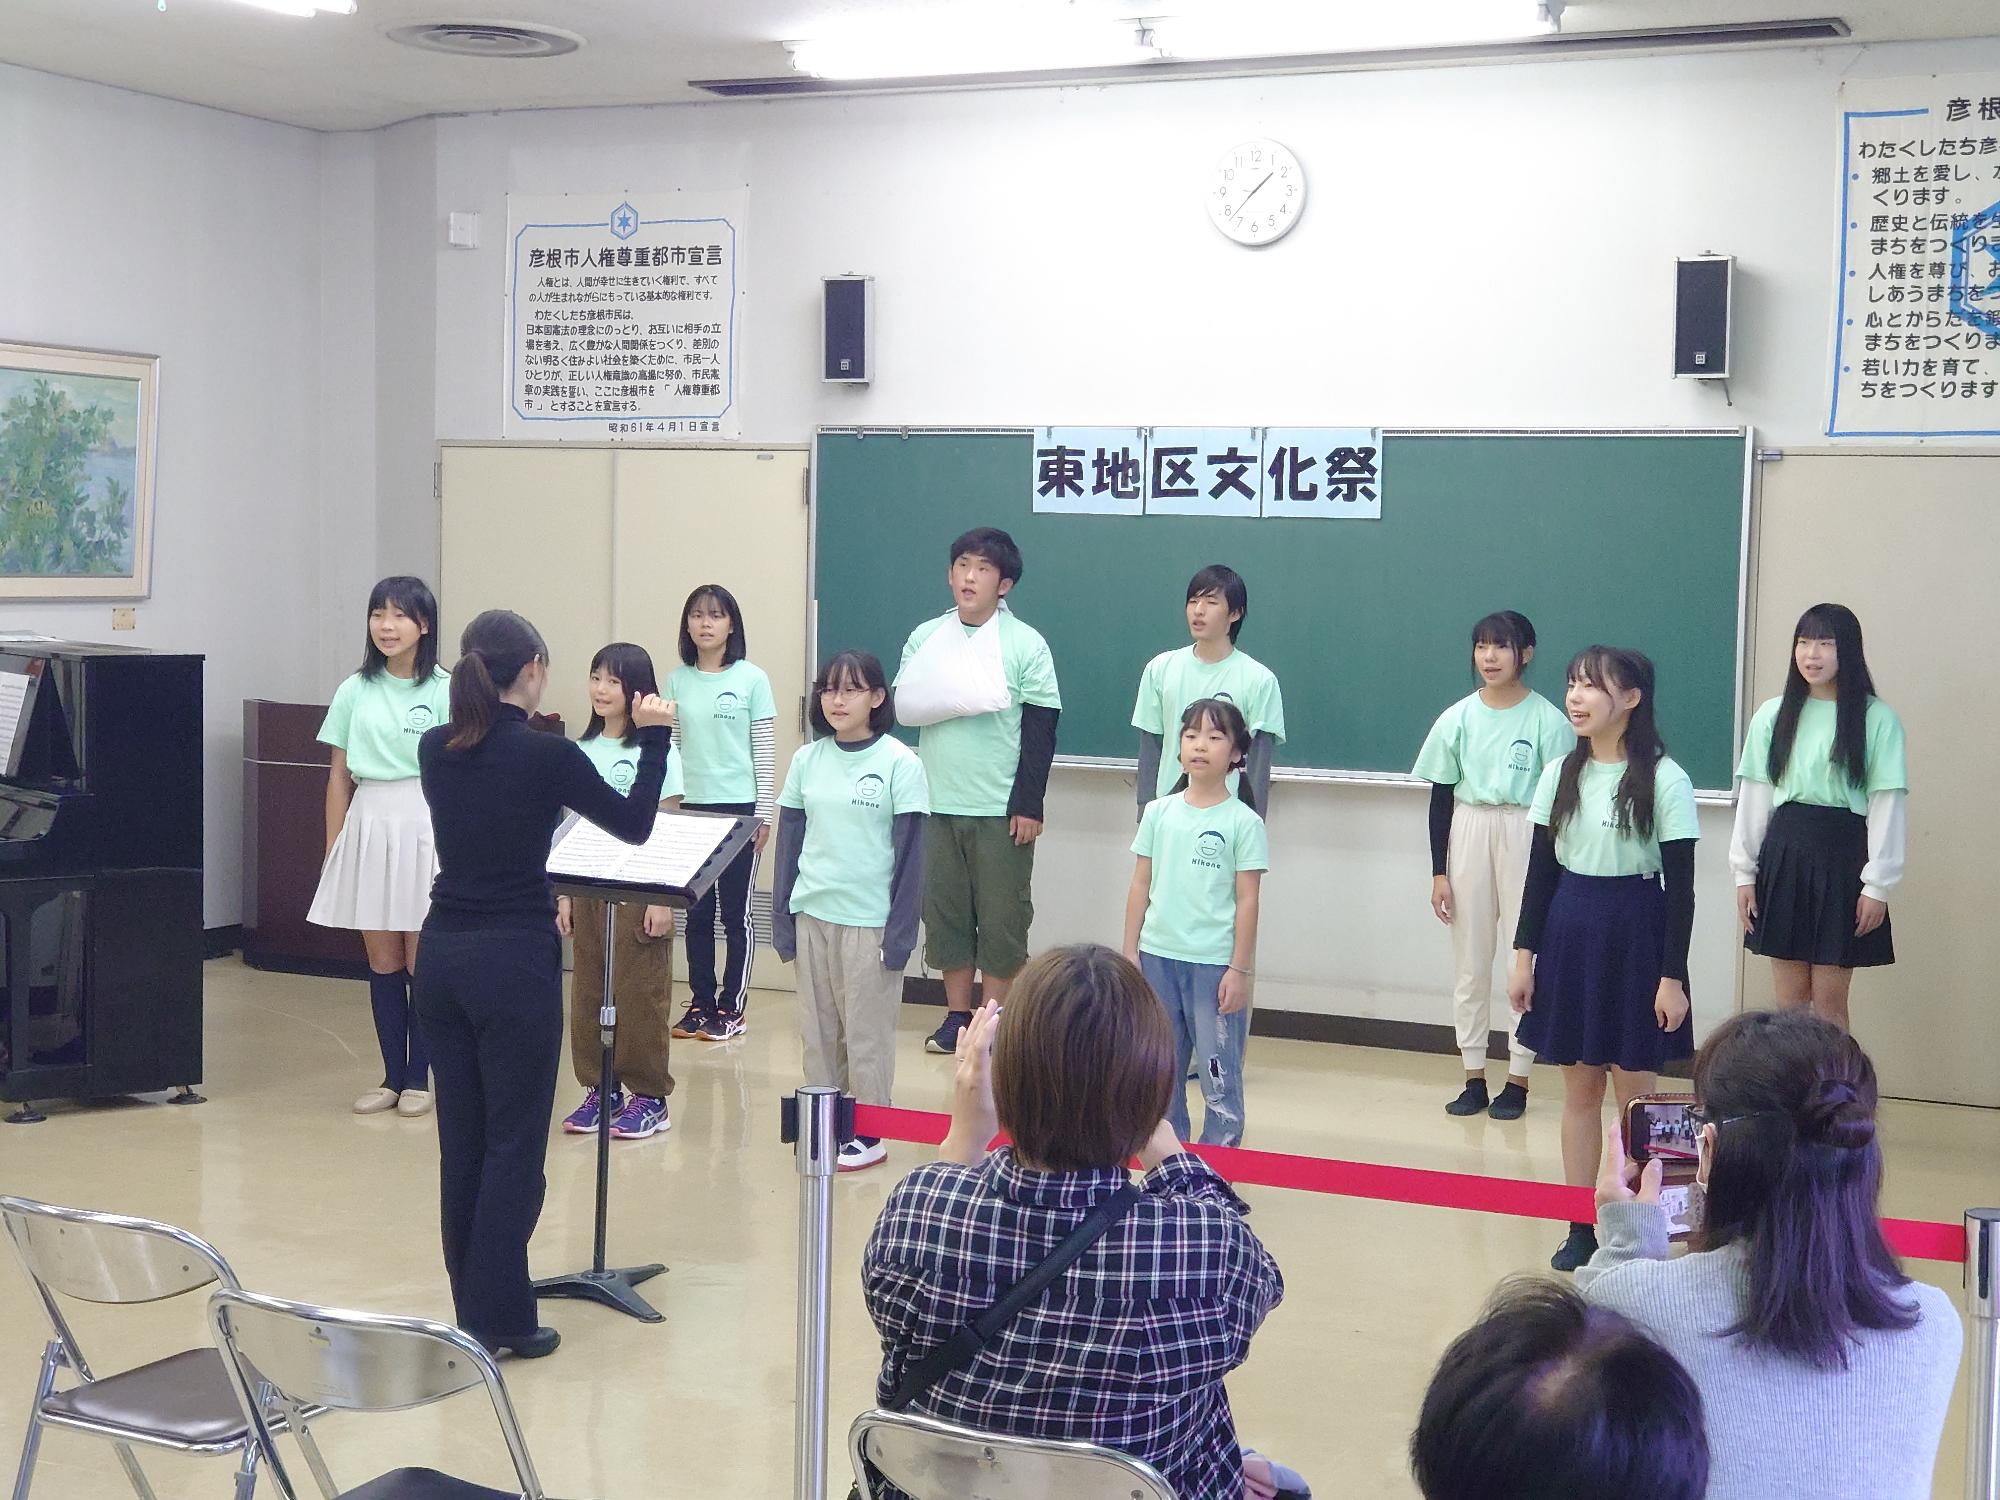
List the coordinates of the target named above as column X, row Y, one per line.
column 848, row 330
column 1702, row 286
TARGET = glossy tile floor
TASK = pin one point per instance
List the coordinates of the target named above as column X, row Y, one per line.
column 308, row 1201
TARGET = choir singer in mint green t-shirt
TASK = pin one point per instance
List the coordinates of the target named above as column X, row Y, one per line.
column 1191, row 915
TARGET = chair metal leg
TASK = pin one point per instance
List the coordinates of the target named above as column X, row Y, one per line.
column 46, row 1384
column 323, row 1476
column 246, row 1471
column 133, row 1472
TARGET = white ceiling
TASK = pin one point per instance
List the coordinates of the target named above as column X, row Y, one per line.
column 342, row 73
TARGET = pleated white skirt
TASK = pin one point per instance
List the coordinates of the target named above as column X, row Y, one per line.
column 378, row 876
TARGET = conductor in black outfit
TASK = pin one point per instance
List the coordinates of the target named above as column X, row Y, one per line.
column 488, row 989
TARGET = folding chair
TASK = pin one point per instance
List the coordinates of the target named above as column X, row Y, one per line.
column 354, row 1361
column 185, row 1403
column 931, row 1460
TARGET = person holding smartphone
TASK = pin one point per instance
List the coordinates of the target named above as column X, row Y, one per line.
column 1823, row 1369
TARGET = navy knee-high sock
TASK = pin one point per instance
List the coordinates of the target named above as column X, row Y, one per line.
column 389, row 998
column 419, row 1075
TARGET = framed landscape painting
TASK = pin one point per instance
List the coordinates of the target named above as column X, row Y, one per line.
column 77, row 440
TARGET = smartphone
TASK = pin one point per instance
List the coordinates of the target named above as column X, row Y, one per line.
column 1662, row 1126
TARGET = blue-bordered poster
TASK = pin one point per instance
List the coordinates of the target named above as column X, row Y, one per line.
column 624, row 315
column 1916, row 323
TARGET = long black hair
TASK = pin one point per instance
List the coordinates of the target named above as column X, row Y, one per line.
column 494, row 650
column 1549, row 1395
column 1610, row 668
column 633, row 667
column 1505, row 627
column 862, row 669
column 1794, row 1178
column 1220, row 713
column 733, row 649
column 1853, row 687
column 414, row 598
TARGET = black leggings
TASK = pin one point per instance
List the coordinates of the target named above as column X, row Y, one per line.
column 729, row 897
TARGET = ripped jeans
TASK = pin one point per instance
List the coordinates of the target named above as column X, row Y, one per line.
column 1213, row 1041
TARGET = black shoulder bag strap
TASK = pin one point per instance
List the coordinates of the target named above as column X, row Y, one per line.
column 964, row 1346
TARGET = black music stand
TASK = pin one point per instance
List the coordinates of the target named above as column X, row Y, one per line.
column 614, row 1287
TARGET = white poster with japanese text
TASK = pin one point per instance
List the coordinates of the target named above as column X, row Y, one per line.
column 624, row 315
column 1916, row 327
column 1306, row 473
column 1090, row 471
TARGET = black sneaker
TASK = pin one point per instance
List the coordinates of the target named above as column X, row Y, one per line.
column 1577, row 1250
column 1511, row 1102
column 1472, row 1102
column 688, row 1027
column 537, row 1345
column 944, row 1041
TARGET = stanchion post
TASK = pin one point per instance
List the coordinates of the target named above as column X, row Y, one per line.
column 1982, row 1331
column 815, row 1121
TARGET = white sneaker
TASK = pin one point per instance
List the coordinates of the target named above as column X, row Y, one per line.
column 375, row 1101
column 413, row 1104
column 859, row 1154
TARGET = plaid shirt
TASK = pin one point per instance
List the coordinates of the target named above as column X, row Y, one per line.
column 1127, row 1350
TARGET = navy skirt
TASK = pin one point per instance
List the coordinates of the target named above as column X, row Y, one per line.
column 1808, row 883
column 1598, row 973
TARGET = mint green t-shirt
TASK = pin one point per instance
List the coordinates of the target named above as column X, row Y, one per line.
column 715, row 711
column 1494, row 756
column 1174, row 679
column 1590, row 843
column 1196, row 854
column 378, row 721
column 971, row 761
column 618, row 763
column 1811, row 776
column 851, row 800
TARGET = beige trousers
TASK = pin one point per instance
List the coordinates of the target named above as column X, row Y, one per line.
column 848, row 1004
column 1488, row 866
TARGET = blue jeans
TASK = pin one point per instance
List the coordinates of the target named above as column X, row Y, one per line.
column 1202, row 1034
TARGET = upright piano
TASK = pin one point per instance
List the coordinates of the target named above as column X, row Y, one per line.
column 100, row 872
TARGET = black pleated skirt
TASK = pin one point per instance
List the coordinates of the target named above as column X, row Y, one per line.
column 1808, row 883
column 1598, row 974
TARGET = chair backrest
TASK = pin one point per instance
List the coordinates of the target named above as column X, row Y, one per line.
column 353, row 1361
column 931, row 1460
column 99, row 1257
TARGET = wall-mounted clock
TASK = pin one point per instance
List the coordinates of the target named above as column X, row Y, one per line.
column 1257, row 192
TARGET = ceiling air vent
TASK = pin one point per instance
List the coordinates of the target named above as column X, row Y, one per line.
column 487, row 38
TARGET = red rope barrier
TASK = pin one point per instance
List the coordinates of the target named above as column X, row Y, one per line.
column 1915, row 1238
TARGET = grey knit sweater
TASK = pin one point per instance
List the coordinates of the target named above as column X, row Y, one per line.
column 1779, row 1429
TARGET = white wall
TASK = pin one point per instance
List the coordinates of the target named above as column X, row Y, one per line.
column 1484, row 247
column 137, row 224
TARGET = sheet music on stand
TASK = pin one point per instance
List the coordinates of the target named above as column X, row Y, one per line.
column 680, row 859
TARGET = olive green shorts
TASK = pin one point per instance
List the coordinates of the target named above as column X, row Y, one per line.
column 977, row 898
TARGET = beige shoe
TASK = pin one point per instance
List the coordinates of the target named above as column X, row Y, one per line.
column 375, row 1101
column 413, row 1103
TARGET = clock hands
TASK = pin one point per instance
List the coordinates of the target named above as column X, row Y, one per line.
column 1251, row 194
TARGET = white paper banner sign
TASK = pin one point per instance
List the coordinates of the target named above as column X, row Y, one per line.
column 624, row 313
column 1308, row 473
column 1090, row 471
column 1916, row 332
column 1323, row 472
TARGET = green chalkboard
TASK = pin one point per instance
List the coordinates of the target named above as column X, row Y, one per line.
column 1629, row 539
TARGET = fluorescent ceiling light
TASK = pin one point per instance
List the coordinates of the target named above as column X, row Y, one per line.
column 303, row 7
column 942, row 46
column 1276, row 29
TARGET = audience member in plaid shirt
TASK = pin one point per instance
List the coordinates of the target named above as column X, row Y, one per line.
column 1129, row 1348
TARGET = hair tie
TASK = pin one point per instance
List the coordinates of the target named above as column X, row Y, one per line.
column 1835, row 1115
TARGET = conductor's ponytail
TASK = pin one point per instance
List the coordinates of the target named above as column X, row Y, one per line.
column 494, row 650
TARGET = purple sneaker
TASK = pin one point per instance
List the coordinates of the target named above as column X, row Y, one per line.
column 643, row 1115
column 583, row 1119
